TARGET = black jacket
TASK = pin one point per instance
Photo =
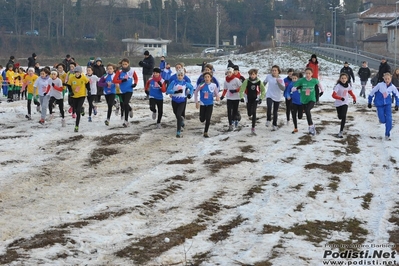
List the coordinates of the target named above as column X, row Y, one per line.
column 384, row 68
column 349, row 72
column 364, row 73
column 148, row 65
column 31, row 62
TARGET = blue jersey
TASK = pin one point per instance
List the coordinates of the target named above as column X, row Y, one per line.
column 103, row 82
column 179, row 89
column 382, row 94
column 206, row 92
column 155, row 90
column 200, row 80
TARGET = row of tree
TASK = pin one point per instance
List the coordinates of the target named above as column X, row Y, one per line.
column 62, row 23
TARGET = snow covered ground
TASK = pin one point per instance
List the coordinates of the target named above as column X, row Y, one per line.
column 140, row 196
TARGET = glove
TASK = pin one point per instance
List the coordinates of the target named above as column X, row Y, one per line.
column 134, row 85
column 141, row 63
column 342, row 99
column 369, row 105
column 242, row 100
column 260, row 101
column 52, row 84
column 321, row 94
column 221, row 98
column 160, row 84
column 179, row 91
column 44, row 94
column 233, row 91
column 396, row 108
column 189, row 96
column 354, row 102
column 124, row 80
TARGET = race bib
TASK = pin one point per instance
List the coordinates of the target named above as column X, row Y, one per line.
column 307, row 92
column 206, row 95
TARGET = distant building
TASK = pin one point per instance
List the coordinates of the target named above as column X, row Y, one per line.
column 136, row 46
column 294, row 31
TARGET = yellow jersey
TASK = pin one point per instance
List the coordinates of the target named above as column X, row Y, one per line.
column 78, row 85
column 28, row 82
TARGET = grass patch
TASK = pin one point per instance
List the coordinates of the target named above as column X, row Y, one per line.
column 318, row 231
column 270, row 229
column 305, row 140
column 117, row 139
column 299, row 207
column 176, row 178
column 162, row 194
column 366, row 200
column 315, row 190
column 352, row 144
column 188, row 160
column 223, row 231
column 334, row 182
column 217, row 152
column 394, row 234
column 297, row 187
column 198, row 258
column 100, row 154
column 247, row 149
column 210, row 207
column 69, row 140
column 288, row 159
column 216, row 165
column 143, row 250
column 334, row 167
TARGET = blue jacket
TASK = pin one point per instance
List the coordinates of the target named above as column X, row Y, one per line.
column 162, row 65
column 295, row 96
column 103, row 83
column 176, row 85
column 174, row 77
column 382, row 94
column 166, row 74
column 201, row 80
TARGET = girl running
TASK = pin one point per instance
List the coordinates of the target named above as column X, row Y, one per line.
column 109, row 89
column 231, row 88
column 156, row 87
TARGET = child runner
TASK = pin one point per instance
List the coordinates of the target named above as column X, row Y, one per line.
column 287, row 94
column 127, row 79
column 93, row 79
column 340, row 94
column 27, row 85
column 382, row 100
column 109, row 89
column 255, row 92
column 295, row 98
column 166, row 73
column 70, row 74
column 231, row 87
column 180, row 90
column 41, row 88
column 207, row 91
column 56, row 96
column 364, row 74
column 78, row 84
column 180, row 66
column 156, row 87
column 308, row 95
column 10, row 77
column 273, row 95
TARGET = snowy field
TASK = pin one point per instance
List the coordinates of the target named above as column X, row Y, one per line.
column 140, row 196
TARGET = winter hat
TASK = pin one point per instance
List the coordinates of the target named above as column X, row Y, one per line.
column 383, row 58
column 12, row 57
column 99, row 59
column 236, row 67
column 68, row 56
column 33, row 55
column 77, row 69
column 146, row 53
column 313, row 56
column 230, row 70
column 31, row 69
column 157, row 70
column 91, row 58
column 17, row 65
column 346, row 63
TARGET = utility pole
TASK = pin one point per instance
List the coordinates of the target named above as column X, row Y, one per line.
column 217, row 28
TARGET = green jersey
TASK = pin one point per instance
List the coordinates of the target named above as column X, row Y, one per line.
column 307, row 89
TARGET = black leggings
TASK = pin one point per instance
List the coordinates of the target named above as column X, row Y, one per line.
column 341, row 111
column 60, row 103
column 288, row 108
column 251, row 110
column 77, row 106
column 126, row 107
column 296, row 109
column 29, row 103
column 205, row 115
column 178, row 109
column 90, row 99
column 232, row 110
column 307, row 107
column 159, row 104
column 275, row 104
column 110, row 98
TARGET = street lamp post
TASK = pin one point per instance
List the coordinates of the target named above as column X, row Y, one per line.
column 335, row 31
column 281, row 30
column 176, row 25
